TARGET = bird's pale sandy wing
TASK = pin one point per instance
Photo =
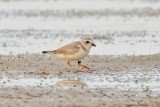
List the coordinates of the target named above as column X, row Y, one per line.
column 69, row 49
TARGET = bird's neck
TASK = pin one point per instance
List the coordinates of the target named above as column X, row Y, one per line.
column 85, row 48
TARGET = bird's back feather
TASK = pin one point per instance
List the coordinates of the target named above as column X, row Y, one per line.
column 69, row 49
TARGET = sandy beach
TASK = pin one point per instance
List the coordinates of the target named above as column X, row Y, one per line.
column 133, row 78
column 125, row 64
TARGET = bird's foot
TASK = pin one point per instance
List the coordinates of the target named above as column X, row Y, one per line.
column 69, row 63
column 84, row 67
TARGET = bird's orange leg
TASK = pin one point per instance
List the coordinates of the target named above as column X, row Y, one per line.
column 68, row 62
column 83, row 66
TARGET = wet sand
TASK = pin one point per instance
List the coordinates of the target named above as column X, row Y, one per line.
column 83, row 88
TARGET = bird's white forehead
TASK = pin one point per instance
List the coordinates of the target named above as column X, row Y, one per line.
column 87, row 39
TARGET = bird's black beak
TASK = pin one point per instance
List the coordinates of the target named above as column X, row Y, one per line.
column 93, row 45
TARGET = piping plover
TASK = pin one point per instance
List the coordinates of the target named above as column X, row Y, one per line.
column 74, row 51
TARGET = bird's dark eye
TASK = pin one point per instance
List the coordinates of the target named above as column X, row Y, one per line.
column 87, row 41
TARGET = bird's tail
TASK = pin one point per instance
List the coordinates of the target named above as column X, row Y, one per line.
column 48, row 52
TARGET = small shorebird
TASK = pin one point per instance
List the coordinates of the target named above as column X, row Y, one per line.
column 74, row 51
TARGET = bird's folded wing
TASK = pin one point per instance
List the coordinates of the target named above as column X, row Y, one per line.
column 68, row 49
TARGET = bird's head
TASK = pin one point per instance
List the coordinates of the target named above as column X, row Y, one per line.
column 88, row 43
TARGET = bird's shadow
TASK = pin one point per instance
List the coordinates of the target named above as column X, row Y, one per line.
column 74, row 71
column 79, row 70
